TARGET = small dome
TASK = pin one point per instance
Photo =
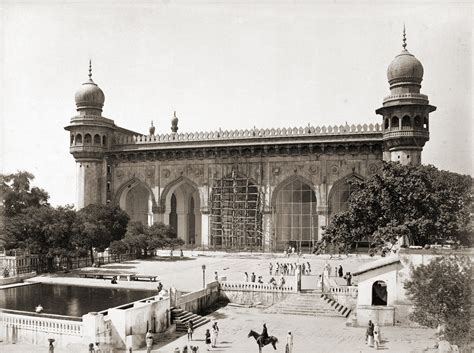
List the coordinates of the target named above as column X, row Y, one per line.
column 89, row 96
column 405, row 68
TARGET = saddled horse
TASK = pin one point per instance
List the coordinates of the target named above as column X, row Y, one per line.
column 270, row 340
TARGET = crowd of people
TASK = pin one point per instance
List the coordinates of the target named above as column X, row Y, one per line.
column 289, row 268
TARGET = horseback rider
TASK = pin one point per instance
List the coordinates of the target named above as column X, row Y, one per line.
column 264, row 336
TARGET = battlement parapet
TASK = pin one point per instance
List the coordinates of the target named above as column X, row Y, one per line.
column 253, row 134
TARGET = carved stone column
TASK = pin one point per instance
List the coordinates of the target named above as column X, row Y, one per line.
column 267, row 228
column 205, row 234
column 323, row 219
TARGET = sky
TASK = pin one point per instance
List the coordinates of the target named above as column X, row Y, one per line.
column 229, row 65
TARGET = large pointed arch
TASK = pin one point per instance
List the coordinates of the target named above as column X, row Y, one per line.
column 129, row 184
column 171, row 186
column 288, row 180
column 338, row 186
column 180, row 203
column 295, row 218
column 136, row 198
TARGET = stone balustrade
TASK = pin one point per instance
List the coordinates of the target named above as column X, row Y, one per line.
column 344, row 290
column 254, row 287
column 249, row 134
column 43, row 324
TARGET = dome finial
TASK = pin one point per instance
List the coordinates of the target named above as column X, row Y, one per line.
column 404, row 45
column 152, row 129
column 90, row 69
column 174, row 123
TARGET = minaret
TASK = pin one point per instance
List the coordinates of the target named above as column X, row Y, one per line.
column 405, row 111
column 90, row 135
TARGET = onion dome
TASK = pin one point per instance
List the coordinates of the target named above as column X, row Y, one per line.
column 89, row 95
column 405, row 68
column 174, row 123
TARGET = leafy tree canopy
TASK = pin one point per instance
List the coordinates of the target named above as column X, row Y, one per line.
column 99, row 225
column 419, row 204
column 17, row 194
column 145, row 238
column 441, row 294
column 43, row 230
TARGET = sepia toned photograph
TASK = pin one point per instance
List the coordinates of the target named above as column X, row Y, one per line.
column 186, row 176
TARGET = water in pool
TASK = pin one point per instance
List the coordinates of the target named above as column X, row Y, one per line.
column 68, row 300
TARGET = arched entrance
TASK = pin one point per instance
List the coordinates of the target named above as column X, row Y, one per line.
column 295, row 217
column 135, row 198
column 379, row 293
column 182, row 210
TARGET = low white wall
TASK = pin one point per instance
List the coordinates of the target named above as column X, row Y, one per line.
column 34, row 329
column 133, row 319
column 383, row 315
column 16, row 279
column 250, row 293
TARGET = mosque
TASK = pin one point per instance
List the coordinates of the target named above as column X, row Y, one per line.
column 262, row 189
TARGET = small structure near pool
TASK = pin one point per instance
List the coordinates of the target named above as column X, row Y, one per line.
column 381, row 293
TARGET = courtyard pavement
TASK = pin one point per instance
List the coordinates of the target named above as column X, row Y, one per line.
column 311, row 334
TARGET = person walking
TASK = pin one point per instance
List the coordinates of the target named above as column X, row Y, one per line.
column 270, row 268
column 252, row 277
column 214, row 335
column 376, row 336
column 190, row 326
column 216, row 277
column 289, row 343
column 149, row 341
column 208, row 338
column 369, row 334
column 341, row 272
column 348, row 278
column 246, row 277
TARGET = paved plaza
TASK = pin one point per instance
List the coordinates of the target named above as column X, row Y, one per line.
column 311, row 334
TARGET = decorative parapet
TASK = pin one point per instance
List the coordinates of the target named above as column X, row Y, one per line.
column 415, row 96
column 253, row 134
column 254, row 287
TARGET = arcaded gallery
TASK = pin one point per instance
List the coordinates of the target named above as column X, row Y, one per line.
column 260, row 189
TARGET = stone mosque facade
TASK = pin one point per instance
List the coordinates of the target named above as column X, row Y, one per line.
column 259, row 189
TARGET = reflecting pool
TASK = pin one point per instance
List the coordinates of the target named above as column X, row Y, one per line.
column 68, row 300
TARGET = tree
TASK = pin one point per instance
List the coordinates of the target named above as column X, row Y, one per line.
column 17, row 194
column 43, row 230
column 441, row 295
column 419, row 204
column 99, row 225
column 145, row 238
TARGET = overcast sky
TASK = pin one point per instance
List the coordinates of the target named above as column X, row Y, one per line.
column 232, row 65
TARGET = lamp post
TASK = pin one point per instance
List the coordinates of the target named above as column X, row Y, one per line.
column 203, row 276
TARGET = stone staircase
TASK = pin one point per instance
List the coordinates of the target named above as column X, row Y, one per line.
column 309, row 303
column 181, row 317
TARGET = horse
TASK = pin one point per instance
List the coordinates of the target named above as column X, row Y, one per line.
column 270, row 340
